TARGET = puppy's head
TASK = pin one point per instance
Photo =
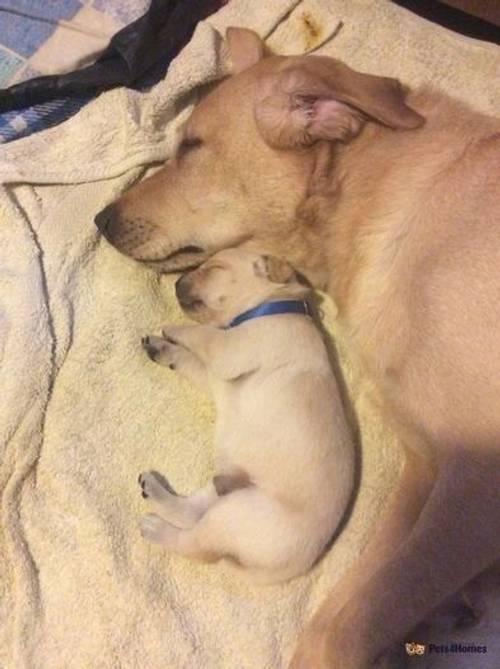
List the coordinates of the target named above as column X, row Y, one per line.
column 235, row 280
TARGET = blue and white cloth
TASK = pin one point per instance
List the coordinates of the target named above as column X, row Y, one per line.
column 39, row 37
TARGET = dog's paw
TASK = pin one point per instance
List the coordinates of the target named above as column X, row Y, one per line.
column 155, row 486
column 161, row 350
column 156, row 529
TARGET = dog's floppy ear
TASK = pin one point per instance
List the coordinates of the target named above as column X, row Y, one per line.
column 245, row 48
column 274, row 269
column 318, row 98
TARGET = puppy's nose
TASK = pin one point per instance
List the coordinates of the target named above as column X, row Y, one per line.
column 104, row 219
column 183, row 290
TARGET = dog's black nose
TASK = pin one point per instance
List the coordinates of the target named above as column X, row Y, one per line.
column 104, row 219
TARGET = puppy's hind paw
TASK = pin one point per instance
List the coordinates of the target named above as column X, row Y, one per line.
column 155, row 486
column 155, row 529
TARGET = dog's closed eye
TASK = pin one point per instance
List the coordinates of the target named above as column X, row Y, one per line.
column 187, row 144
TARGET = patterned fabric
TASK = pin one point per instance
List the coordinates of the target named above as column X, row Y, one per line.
column 40, row 37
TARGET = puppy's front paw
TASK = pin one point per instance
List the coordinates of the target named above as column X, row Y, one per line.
column 161, row 351
column 172, row 332
column 181, row 334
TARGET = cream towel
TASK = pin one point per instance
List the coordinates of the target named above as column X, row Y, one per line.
column 83, row 411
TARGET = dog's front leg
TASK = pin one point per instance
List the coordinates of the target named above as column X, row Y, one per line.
column 456, row 537
column 403, row 509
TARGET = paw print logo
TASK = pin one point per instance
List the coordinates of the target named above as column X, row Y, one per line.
column 414, row 648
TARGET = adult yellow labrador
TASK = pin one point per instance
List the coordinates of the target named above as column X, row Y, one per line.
column 391, row 202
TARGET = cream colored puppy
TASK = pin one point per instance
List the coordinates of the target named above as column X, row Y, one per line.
column 285, row 459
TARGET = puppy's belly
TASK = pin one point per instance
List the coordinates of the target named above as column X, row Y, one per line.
column 306, row 464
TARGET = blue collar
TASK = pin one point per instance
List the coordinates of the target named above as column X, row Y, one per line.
column 271, row 309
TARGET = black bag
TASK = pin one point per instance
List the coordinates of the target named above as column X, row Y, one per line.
column 145, row 47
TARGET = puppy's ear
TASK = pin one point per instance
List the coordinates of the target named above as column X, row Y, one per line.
column 274, row 269
column 245, row 48
column 319, row 98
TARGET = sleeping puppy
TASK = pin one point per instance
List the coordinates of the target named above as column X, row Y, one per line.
column 285, row 459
